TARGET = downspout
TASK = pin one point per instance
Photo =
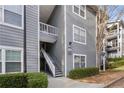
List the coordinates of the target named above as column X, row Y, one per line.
column 25, row 53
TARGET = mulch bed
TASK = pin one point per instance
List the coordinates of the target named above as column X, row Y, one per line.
column 103, row 77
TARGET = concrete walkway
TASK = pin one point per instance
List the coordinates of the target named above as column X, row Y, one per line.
column 62, row 82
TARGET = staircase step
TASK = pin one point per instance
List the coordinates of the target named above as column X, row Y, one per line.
column 59, row 75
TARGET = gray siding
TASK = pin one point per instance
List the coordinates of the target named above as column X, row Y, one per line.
column 57, row 20
column 90, row 48
column 10, row 36
column 32, row 37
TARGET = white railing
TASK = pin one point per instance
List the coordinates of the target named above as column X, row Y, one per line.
column 113, row 32
column 48, row 29
column 49, row 62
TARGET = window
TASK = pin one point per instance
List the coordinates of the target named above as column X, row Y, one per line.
column 0, row 61
column 79, row 61
column 11, row 60
column 0, row 13
column 79, row 35
column 80, row 10
column 12, row 15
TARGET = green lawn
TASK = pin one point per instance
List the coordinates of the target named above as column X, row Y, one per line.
column 119, row 68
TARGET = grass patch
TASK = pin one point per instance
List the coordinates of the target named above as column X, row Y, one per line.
column 119, row 68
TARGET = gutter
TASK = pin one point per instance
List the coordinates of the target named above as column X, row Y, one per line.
column 25, row 45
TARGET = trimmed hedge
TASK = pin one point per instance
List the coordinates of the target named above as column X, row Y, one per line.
column 37, row 80
column 13, row 80
column 24, row 80
column 83, row 72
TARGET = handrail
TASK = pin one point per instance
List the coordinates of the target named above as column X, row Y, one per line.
column 49, row 29
column 49, row 62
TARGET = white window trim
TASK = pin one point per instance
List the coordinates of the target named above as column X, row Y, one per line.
column 11, row 25
column 79, row 12
column 85, row 35
column 74, row 54
column 4, row 48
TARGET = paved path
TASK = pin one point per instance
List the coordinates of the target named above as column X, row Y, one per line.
column 62, row 82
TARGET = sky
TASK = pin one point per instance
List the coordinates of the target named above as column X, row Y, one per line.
column 114, row 13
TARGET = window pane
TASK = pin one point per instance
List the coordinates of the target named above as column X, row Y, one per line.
column 0, row 55
column 82, row 10
column 0, row 14
column 82, row 61
column 82, row 7
column 0, row 61
column 82, row 36
column 13, row 56
column 12, row 18
column 13, row 66
column 76, row 34
column 82, row 33
column 82, row 13
column 0, row 67
column 14, row 8
column 76, row 65
column 0, row 6
column 76, row 9
column 77, row 61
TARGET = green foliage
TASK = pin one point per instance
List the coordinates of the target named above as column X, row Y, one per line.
column 115, row 59
column 115, row 62
column 37, row 80
column 83, row 72
column 24, row 80
column 13, row 80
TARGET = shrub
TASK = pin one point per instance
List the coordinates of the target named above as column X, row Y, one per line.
column 83, row 72
column 37, row 80
column 24, row 80
column 13, row 80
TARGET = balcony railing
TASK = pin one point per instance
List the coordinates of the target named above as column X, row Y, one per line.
column 48, row 29
column 113, row 32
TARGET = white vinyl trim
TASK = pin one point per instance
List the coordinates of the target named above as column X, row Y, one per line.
column 4, row 48
column 85, row 35
column 11, row 25
column 96, row 42
column 74, row 54
column 65, row 41
column 38, row 39
column 79, row 12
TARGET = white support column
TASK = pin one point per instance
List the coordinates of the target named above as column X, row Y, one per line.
column 121, row 41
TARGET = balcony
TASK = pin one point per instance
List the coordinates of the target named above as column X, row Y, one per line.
column 48, row 33
column 111, row 35
column 112, row 49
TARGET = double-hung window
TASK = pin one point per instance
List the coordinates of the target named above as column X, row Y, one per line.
column 80, row 10
column 0, row 13
column 79, row 61
column 11, row 60
column 0, row 60
column 79, row 34
column 12, row 15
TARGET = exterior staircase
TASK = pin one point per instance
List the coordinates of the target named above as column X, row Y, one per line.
column 55, row 70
